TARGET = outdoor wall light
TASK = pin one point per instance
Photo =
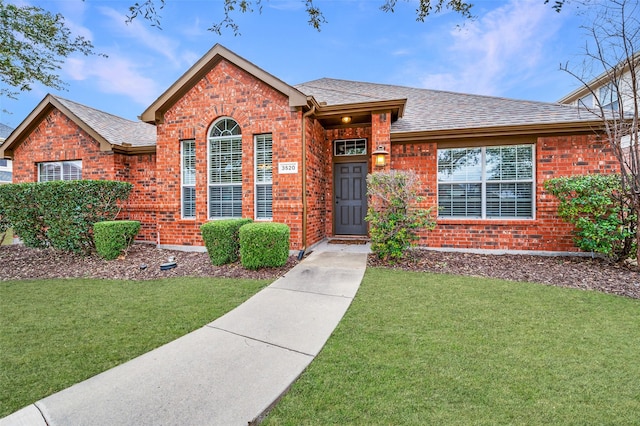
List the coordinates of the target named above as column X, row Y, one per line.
column 346, row 119
column 380, row 157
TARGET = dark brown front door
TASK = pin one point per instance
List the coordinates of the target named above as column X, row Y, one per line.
column 350, row 198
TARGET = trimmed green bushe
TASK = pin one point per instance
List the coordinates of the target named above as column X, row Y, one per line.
column 264, row 245
column 222, row 240
column 114, row 236
column 601, row 211
column 61, row 214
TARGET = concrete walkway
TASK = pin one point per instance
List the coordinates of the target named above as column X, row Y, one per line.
column 229, row 372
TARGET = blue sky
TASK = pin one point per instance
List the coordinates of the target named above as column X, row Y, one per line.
column 512, row 49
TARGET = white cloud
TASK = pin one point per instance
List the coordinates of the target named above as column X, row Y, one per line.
column 150, row 37
column 115, row 75
column 497, row 51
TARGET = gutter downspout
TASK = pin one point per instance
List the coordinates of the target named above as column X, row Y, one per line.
column 304, row 181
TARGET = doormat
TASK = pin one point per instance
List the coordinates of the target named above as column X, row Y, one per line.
column 348, row 241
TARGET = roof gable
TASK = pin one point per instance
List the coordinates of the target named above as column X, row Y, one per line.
column 155, row 112
column 110, row 131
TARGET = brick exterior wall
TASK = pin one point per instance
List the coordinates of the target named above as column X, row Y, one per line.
column 228, row 91
column 58, row 138
column 555, row 156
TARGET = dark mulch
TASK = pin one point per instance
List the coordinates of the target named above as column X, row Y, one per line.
column 19, row 262
column 141, row 262
column 576, row 272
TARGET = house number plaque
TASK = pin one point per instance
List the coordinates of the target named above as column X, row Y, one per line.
column 288, row 168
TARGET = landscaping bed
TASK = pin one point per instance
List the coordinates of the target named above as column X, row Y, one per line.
column 19, row 262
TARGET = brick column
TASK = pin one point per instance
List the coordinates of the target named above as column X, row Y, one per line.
column 381, row 137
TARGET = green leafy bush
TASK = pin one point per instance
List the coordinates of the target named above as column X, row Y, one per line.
column 221, row 239
column 601, row 212
column 61, row 214
column 112, row 237
column 5, row 225
column 264, row 245
column 394, row 215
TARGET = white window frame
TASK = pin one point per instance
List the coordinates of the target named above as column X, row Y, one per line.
column 483, row 181
column 61, row 164
column 183, row 172
column 267, row 181
column 346, row 143
column 232, row 134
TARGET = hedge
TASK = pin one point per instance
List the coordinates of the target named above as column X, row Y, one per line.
column 221, row 239
column 61, row 214
column 112, row 237
column 264, row 244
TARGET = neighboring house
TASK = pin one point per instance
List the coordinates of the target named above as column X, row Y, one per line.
column 230, row 140
column 5, row 165
column 602, row 92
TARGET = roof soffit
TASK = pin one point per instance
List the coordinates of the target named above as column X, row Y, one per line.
column 155, row 112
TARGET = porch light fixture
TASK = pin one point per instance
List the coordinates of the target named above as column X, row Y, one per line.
column 380, row 156
column 346, row 119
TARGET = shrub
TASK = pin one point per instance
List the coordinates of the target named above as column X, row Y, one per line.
column 264, row 245
column 111, row 238
column 5, row 225
column 61, row 214
column 603, row 217
column 221, row 239
column 394, row 214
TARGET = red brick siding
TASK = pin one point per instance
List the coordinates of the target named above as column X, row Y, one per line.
column 227, row 91
column 555, row 156
column 58, row 138
column 139, row 170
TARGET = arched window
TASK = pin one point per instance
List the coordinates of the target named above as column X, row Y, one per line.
column 225, row 169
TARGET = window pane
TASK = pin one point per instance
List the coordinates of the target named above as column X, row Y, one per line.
column 460, row 200
column 350, row 147
column 60, row 170
column 264, row 159
column 509, row 200
column 225, row 201
column 188, row 163
column 459, row 165
column 264, row 202
column 188, row 202
column 225, row 161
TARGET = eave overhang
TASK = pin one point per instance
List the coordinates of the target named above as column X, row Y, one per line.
column 154, row 114
column 501, row 131
column 330, row 115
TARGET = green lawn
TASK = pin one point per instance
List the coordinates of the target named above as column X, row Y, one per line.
column 426, row 349
column 54, row 333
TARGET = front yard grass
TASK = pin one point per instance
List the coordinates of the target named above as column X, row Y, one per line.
column 54, row 333
column 417, row 348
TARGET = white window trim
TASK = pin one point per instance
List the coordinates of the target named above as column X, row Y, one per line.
column 255, row 178
column 337, row 141
column 61, row 163
column 483, row 189
column 209, row 183
column 182, row 184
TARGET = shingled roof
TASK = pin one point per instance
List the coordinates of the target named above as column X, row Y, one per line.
column 5, row 131
column 438, row 111
column 116, row 130
column 111, row 132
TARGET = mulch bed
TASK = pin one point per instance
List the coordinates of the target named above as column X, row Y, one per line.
column 576, row 272
column 142, row 262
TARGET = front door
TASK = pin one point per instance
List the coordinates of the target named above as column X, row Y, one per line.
column 350, row 198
